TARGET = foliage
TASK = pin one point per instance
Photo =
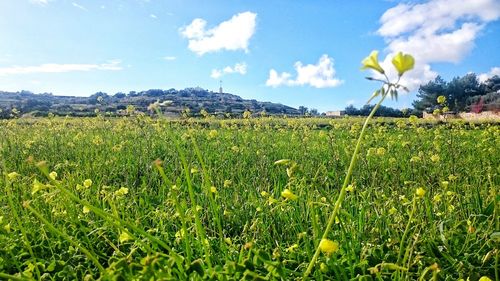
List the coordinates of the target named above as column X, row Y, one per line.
column 262, row 235
column 460, row 92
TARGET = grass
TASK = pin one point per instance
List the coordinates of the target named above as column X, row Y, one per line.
column 202, row 199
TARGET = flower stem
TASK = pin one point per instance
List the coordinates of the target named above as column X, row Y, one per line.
column 342, row 194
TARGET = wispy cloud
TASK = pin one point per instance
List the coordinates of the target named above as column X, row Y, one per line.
column 169, row 58
column 434, row 31
column 240, row 68
column 320, row 75
column 76, row 5
column 40, row 2
column 153, row 16
column 60, row 68
column 233, row 34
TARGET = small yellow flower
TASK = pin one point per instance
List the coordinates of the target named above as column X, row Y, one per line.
column 445, row 184
column 292, row 248
column 484, row 278
column 194, row 170
column 441, row 99
column 213, row 189
column 420, row 192
column 380, row 151
column 228, row 183
column 12, row 176
column 328, row 246
column 349, row 188
column 124, row 236
column 53, row 175
column 264, row 193
column 392, row 211
column 289, row 195
column 122, row 191
column 37, row 186
column 437, row 198
column 403, row 63
column 435, row 158
column 7, row 227
column 372, row 62
column 85, row 210
column 87, row 183
column 212, row 134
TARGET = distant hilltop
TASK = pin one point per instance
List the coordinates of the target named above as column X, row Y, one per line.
column 172, row 102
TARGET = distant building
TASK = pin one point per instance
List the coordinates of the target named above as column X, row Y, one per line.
column 220, row 88
column 336, row 113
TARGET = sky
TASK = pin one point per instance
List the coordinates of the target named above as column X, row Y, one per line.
column 301, row 52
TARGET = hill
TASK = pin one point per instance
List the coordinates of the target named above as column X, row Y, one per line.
column 172, row 102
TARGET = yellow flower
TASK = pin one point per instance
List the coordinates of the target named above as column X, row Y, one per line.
column 289, row 195
column 437, row 198
column 37, row 186
column 264, row 194
column 87, row 183
column 227, row 183
column 212, row 134
column 445, row 184
column 12, row 176
column 85, row 210
column 435, row 158
column 53, row 175
column 124, row 237
column 349, row 188
column 328, row 246
column 292, row 248
column 122, row 191
column 441, row 99
column 372, row 62
column 213, row 189
column 420, row 192
column 403, row 63
column 380, row 151
column 392, row 211
column 484, row 278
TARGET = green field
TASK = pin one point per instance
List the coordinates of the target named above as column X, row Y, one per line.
column 148, row 199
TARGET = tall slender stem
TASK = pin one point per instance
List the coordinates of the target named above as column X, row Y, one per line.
column 342, row 194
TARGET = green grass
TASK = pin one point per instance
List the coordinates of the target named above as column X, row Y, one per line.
column 172, row 225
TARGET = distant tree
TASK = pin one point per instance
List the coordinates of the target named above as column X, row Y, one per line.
column 314, row 112
column 303, row 110
column 428, row 93
column 120, row 95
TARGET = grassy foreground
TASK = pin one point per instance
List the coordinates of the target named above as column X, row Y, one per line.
column 139, row 198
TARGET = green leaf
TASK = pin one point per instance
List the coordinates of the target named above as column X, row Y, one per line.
column 403, row 63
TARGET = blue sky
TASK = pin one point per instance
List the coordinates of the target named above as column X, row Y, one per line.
column 292, row 52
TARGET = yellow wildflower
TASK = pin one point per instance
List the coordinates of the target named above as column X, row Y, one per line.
column 122, row 191
column 349, row 188
column 87, row 183
column 213, row 189
column 372, row 62
column 12, row 176
column 289, row 195
column 124, row 236
column 420, row 192
column 328, row 246
column 85, row 210
column 53, row 175
column 392, row 211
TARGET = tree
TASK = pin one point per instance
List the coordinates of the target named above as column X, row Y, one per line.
column 428, row 94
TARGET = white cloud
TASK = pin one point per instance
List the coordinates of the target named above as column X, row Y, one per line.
column 169, row 58
column 233, row 34
column 60, row 68
column 485, row 76
column 434, row 31
column 240, row 68
column 40, row 2
column 153, row 16
column 76, row 5
column 320, row 75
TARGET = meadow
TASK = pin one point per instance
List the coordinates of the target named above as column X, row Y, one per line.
column 139, row 198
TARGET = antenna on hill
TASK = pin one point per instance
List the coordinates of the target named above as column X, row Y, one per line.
column 220, row 87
